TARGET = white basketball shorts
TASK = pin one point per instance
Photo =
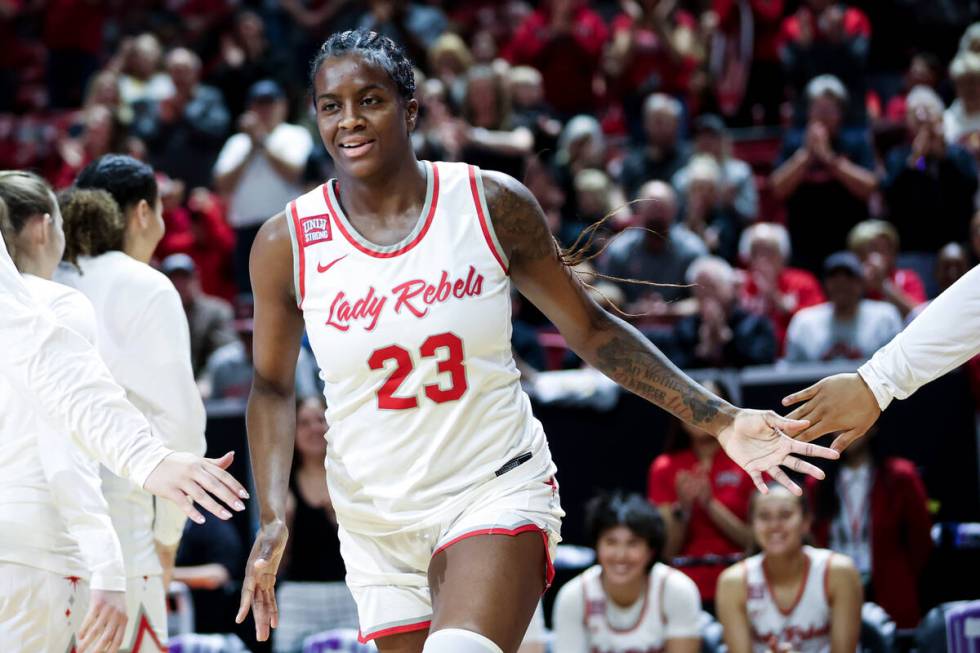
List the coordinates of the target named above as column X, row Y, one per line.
column 146, row 612
column 40, row 611
column 388, row 574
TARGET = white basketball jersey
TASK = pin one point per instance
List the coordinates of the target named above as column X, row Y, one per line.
column 647, row 635
column 413, row 343
column 806, row 625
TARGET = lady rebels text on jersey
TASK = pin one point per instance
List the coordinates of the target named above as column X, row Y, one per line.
column 413, row 340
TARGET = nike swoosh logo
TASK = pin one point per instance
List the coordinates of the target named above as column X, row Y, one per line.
column 323, row 268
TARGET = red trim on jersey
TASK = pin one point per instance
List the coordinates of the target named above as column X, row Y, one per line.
column 141, row 629
column 484, row 225
column 301, row 249
column 549, row 574
column 395, row 630
column 400, row 250
column 799, row 594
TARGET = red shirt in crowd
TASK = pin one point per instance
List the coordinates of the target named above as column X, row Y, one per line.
column 205, row 237
column 568, row 61
column 799, row 284
column 909, row 282
column 900, row 538
column 650, row 58
column 856, row 23
column 729, row 485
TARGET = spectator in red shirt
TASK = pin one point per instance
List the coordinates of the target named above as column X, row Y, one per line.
column 771, row 288
column 704, row 499
column 564, row 40
column 826, row 37
column 924, row 69
column 874, row 509
column 198, row 228
column 654, row 49
column 876, row 244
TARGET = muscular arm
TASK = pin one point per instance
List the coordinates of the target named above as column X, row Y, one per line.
column 271, row 416
column 753, row 439
column 787, row 177
column 845, row 597
column 604, row 341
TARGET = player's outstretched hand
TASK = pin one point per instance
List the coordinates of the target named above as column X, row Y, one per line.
column 841, row 403
column 259, row 587
column 105, row 623
column 185, row 478
column 758, row 441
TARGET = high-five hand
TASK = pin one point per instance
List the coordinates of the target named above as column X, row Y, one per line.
column 185, row 478
column 841, row 403
column 759, row 441
column 259, row 587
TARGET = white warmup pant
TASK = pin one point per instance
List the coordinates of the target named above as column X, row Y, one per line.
column 146, row 610
column 40, row 611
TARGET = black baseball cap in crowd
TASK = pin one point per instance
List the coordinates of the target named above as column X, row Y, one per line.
column 843, row 262
column 266, row 89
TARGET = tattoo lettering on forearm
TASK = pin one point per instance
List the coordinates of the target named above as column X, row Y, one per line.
column 647, row 373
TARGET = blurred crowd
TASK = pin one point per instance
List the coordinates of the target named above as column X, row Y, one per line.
column 746, row 181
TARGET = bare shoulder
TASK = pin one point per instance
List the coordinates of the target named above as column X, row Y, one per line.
column 271, row 259
column 731, row 583
column 841, row 571
column 517, row 218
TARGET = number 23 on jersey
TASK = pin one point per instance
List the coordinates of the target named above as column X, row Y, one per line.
column 447, row 348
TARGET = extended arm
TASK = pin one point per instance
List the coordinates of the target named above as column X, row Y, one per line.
column 271, row 418
column 944, row 336
column 754, row 439
column 70, row 383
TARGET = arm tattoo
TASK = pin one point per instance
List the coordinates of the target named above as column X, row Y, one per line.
column 639, row 367
column 517, row 218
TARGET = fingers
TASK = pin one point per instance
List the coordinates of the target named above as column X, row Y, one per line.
column 802, row 395
column 780, row 477
column 803, row 467
column 788, row 426
column 846, row 439
column 94, row 632
column 802, row 411
column 187, row 505
column 218, row 489
column 760, row 484
column 108, row 635
column 811, row 450
column 248, row 590
column 214, row 469
column 205, row 500
column 224, row 462
column 266, row 612
column 88, row 624
column 117, row 640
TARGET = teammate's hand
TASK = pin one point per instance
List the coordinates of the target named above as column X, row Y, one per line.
column 105, row 623
column 259, row 586
column 185, row 478
column 758, row 441
column 841, row 403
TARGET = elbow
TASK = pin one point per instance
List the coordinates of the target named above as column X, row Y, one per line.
column 274, row 389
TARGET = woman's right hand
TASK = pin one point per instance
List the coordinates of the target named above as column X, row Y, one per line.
column 105, row 623
column 259, row 586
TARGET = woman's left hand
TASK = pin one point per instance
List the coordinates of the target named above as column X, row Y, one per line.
column 759, row 441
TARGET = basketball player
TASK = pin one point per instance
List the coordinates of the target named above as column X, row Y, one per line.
column 66, row 380
column 441, row 478
column 628, row 601
column 144, row 339
column 944, row 336
column 58, row 540
column 789, row 597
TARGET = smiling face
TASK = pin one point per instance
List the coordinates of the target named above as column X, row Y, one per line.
column 623, row 555
column 778, row 521
column 363, row 121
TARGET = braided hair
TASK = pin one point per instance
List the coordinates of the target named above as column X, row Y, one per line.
column 375, row 48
